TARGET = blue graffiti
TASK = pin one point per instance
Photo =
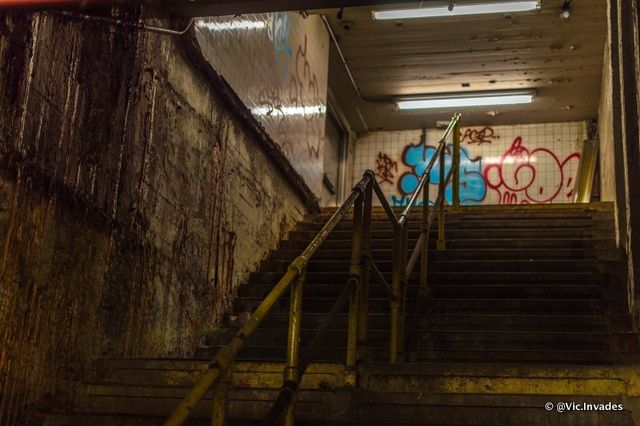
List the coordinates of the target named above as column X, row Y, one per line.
column 403, row 201
column 473, row 188
column 279, row 31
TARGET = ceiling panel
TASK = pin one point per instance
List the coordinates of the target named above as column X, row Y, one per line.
column 561, row 59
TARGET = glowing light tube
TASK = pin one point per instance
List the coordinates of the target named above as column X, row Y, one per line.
column 465, row 100
column 458, row 10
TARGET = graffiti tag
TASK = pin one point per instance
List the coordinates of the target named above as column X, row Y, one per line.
column 522, row 176
column 386, row 168
column 472, row 186
column 479, row 137
column 279, row 31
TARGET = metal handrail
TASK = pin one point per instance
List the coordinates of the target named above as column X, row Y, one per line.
column 225, row 356
column 418, row 248
column 453, row 124
column 402, row 269
column 289, row 389
column 216, row 374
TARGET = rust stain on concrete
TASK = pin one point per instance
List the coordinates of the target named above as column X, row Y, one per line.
column 128, row 216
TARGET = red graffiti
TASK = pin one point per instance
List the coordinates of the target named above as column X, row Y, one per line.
column 517, row 177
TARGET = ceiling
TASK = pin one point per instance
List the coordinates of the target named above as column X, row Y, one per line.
column 561, row 59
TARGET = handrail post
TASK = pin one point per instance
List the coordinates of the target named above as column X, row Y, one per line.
column 354, row 299
column 424, row 260
column 365, row 261
column 404, row 242
column 398, row 285
column 219, row 402
column 455, row 162
column 291, row 372
column 442, row 187
column 395, row 304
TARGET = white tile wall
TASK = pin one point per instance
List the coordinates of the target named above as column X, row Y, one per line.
column 541, row 169
column 278, row 65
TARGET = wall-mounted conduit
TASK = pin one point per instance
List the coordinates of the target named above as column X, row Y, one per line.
column 119, row 22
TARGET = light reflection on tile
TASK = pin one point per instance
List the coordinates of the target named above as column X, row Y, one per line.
column 278, row 65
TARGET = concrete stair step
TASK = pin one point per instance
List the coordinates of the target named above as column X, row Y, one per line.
column 522, row 356
column 545, row 322
column 450, row 340
column 339, row 278
column 381, row 220
column 474, row 244
column 471, row 222
column 467, row 254
column 145, row 391
column 461, row 290
column 506, row 291
column 385, row 265
column 380, row 321
column 510, row 341
column 384, row 409
column 540, row 306
column 517, row 306
column 493, row 212
column 336, row 337
column 276, row 352
column 520, row 233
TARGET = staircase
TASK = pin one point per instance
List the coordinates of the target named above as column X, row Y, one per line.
column 526, row 307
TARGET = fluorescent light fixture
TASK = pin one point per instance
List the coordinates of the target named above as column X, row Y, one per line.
column 242, row 24
column 306, row 111
column 463, row 100
column 459, row 10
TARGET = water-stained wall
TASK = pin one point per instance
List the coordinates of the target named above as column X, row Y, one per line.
column 608, row 146
column 130, row 210
column 278, row 64
column 518, row 164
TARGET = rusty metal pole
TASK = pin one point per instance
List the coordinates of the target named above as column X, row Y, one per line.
column 354, row 275
column 442, row 192
column 291, row 371
column 424, row 260
column 403, row 288
column 455, row 162
column 395, row 286
column 365, row 260
column 219, row 411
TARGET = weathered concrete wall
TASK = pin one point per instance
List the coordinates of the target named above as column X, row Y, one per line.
column 129, row 205
column 606, row 136
column 624, row 58
column 605, row 130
